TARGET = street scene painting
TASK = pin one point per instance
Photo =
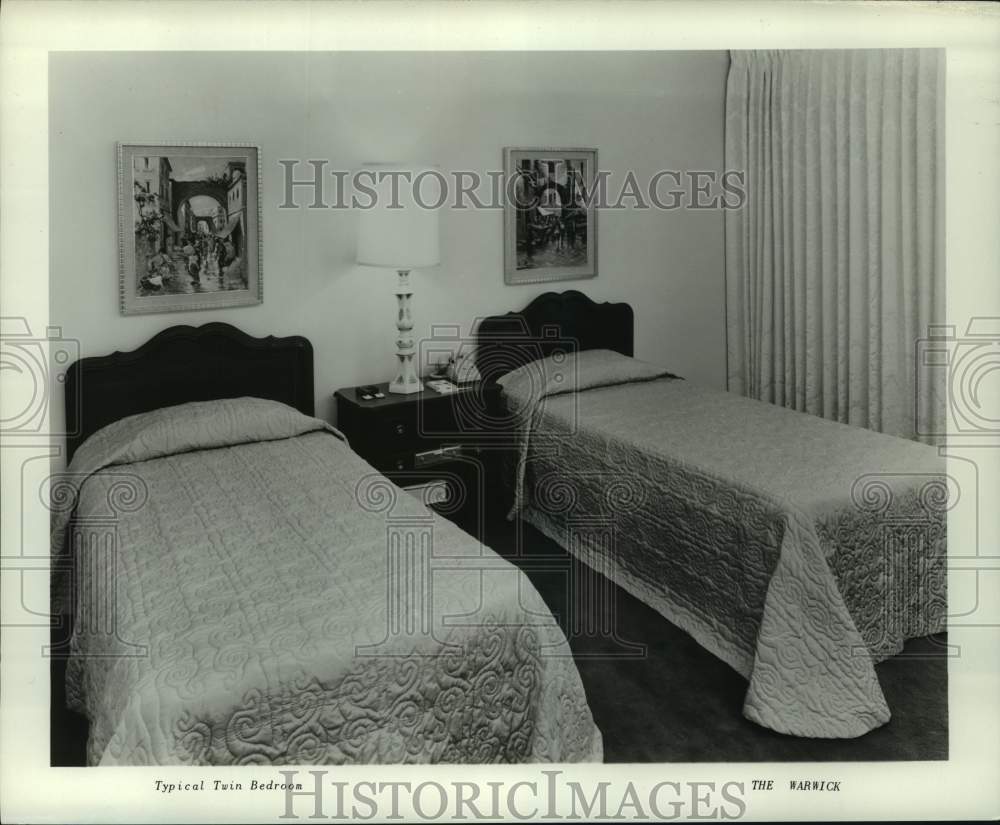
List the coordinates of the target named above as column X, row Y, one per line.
column 188, row 226
column 550, row 223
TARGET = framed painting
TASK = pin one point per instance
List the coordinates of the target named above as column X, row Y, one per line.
column 188, row 226
column 550, row 217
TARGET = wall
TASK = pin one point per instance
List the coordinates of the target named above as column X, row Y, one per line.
column 643, row 111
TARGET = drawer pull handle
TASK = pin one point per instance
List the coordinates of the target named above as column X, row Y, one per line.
column 437, row 456
column 400, row 464
column 400, row 429
column 433, row 492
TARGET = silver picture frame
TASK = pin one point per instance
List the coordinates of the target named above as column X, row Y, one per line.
column 550, row 216
column 189, row 226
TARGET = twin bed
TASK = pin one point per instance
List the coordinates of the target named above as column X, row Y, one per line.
column 258, row 594
column 278, row 601
column 798, row 550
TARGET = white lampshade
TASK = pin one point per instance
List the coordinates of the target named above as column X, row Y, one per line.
column 405, row 237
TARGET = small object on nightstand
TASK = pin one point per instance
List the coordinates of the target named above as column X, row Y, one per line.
column 370, row 392
column 443, row 386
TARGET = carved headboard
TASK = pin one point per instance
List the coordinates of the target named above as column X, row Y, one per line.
column 181, row 364
column 569, row 321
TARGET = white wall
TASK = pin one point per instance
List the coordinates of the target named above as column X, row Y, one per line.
column 642, row 111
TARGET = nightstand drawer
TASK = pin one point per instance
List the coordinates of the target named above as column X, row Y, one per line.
column 386, row 431
column 428, row 437
column 454, row 489
column 379, row 432
column 397, row 430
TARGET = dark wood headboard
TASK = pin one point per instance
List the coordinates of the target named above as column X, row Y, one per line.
column 567, row 321
column 182, row 364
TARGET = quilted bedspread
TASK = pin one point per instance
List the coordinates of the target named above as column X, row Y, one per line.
column 270, row 598
column 798, row 550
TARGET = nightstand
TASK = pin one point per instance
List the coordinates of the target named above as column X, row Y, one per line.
column 430, row 438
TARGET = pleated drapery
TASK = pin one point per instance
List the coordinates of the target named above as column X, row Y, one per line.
column 834, row 265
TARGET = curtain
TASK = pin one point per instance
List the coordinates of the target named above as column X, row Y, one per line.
column 834, row 263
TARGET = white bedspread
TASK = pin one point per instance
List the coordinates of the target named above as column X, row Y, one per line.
column 798, row 550
column 253, row 579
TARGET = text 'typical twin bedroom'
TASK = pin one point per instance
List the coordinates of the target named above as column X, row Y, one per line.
column 461, row 407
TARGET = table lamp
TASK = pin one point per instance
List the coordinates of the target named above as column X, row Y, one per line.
column 398, row 233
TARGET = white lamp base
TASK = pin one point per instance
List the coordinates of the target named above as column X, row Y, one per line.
column 406, row 381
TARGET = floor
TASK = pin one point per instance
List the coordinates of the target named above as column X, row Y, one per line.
column 677, row 702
